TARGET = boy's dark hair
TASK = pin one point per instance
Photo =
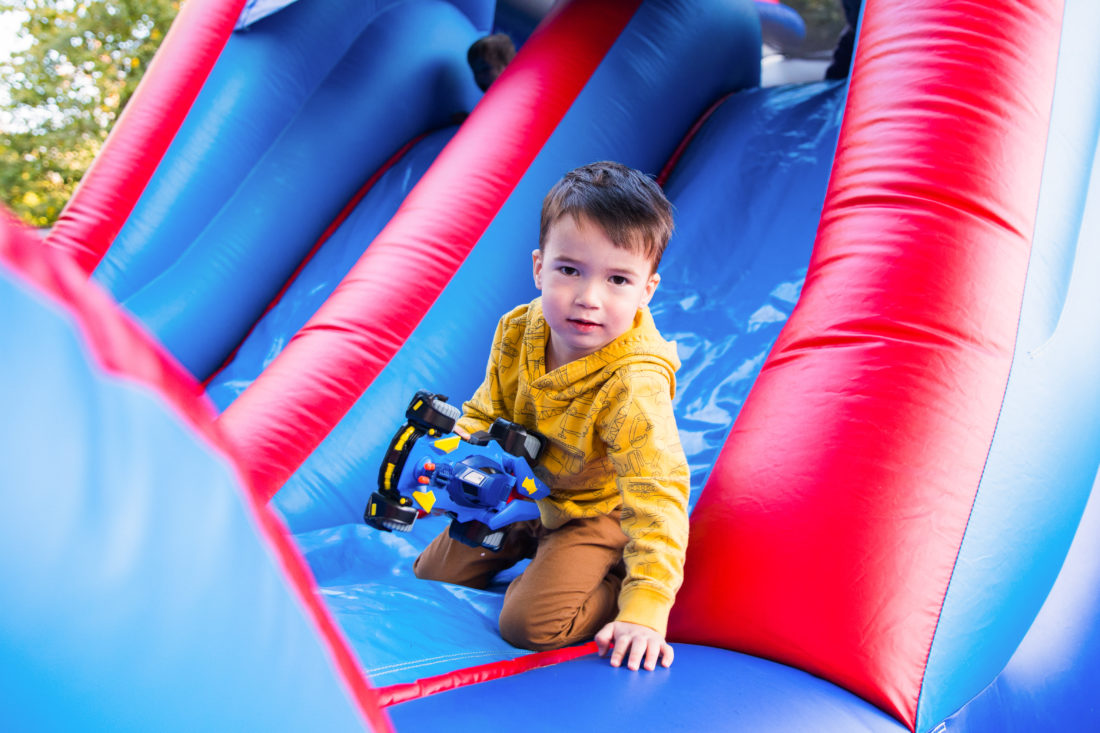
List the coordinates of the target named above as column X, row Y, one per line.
column 626, row 203
column 488, row 56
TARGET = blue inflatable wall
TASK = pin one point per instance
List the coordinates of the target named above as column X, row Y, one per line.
column 149, row 588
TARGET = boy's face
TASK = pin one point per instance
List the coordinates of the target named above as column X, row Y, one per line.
column 591, row 289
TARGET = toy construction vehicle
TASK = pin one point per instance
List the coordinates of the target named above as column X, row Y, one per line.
column 483, row 484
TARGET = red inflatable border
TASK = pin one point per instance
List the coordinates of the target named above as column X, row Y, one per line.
column 111, row 187
column 828, row 531
column 286, row 413
column 395, row 694
column 123, row 349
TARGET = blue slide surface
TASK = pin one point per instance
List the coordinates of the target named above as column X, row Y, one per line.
column 722, row 299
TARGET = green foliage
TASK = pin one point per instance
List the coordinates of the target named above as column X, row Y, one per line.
column 84, row 61
column 824, row 22
column 67, row 89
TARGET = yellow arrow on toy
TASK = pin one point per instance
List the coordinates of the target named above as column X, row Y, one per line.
column 529, row 485
column 448, row 444
column 426, row 499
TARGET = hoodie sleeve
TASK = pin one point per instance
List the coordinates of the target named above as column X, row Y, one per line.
column 653, row 481
column 478, row 412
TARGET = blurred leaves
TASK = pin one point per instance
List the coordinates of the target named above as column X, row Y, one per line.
column 824, row 22
column 85, row 58
column 65, row 91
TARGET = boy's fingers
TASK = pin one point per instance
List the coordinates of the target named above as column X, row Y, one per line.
column 666, row 659
column 603, row 640
column 637, row 651
column 651, row 655
column 619, row 651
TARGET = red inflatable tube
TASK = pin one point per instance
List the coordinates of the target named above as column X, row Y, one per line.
column 279, row 420
column 111, row 187
column 123, row 349
column 828, row 531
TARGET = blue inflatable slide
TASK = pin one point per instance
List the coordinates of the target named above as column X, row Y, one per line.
column 881, row 289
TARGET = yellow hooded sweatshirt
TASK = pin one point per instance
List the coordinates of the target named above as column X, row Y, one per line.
column 612, row 442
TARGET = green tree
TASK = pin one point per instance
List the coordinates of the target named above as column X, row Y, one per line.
column 824, row 22
column 65, row 91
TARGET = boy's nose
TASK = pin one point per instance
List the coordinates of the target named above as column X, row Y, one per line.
column 587, row 296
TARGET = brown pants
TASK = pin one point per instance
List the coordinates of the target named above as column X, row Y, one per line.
column 567, row 593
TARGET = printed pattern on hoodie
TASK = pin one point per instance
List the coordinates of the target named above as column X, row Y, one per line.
column 612, row 443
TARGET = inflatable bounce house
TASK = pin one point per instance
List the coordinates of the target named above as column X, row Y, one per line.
column 883, row 291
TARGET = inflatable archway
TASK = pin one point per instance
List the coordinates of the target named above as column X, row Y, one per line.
column 883, row 293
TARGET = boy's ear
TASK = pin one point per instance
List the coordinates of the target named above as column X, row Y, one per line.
column 651, row 287
column 536, row 267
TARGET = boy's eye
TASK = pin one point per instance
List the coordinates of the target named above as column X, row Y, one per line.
column 619, row 280
column 567, row 270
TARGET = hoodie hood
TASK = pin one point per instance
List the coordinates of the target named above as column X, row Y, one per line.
column 642, row 344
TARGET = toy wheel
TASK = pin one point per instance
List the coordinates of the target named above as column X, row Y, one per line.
column 385, row 513
column 477, row 534
column 493, row 540
column 431, row 412
column 516, row 439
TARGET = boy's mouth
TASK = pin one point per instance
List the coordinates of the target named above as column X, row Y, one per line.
column 584, row 325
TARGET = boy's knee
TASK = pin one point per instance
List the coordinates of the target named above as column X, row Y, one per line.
column 435, row 566
column 520, row 629
column 425, row 570
column 542, row 632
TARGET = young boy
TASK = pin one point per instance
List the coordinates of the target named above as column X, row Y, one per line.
column 584, row 365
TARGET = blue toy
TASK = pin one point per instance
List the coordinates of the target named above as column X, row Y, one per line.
column 483, row 484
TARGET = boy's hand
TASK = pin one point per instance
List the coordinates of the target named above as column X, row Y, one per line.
column 640, row 641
